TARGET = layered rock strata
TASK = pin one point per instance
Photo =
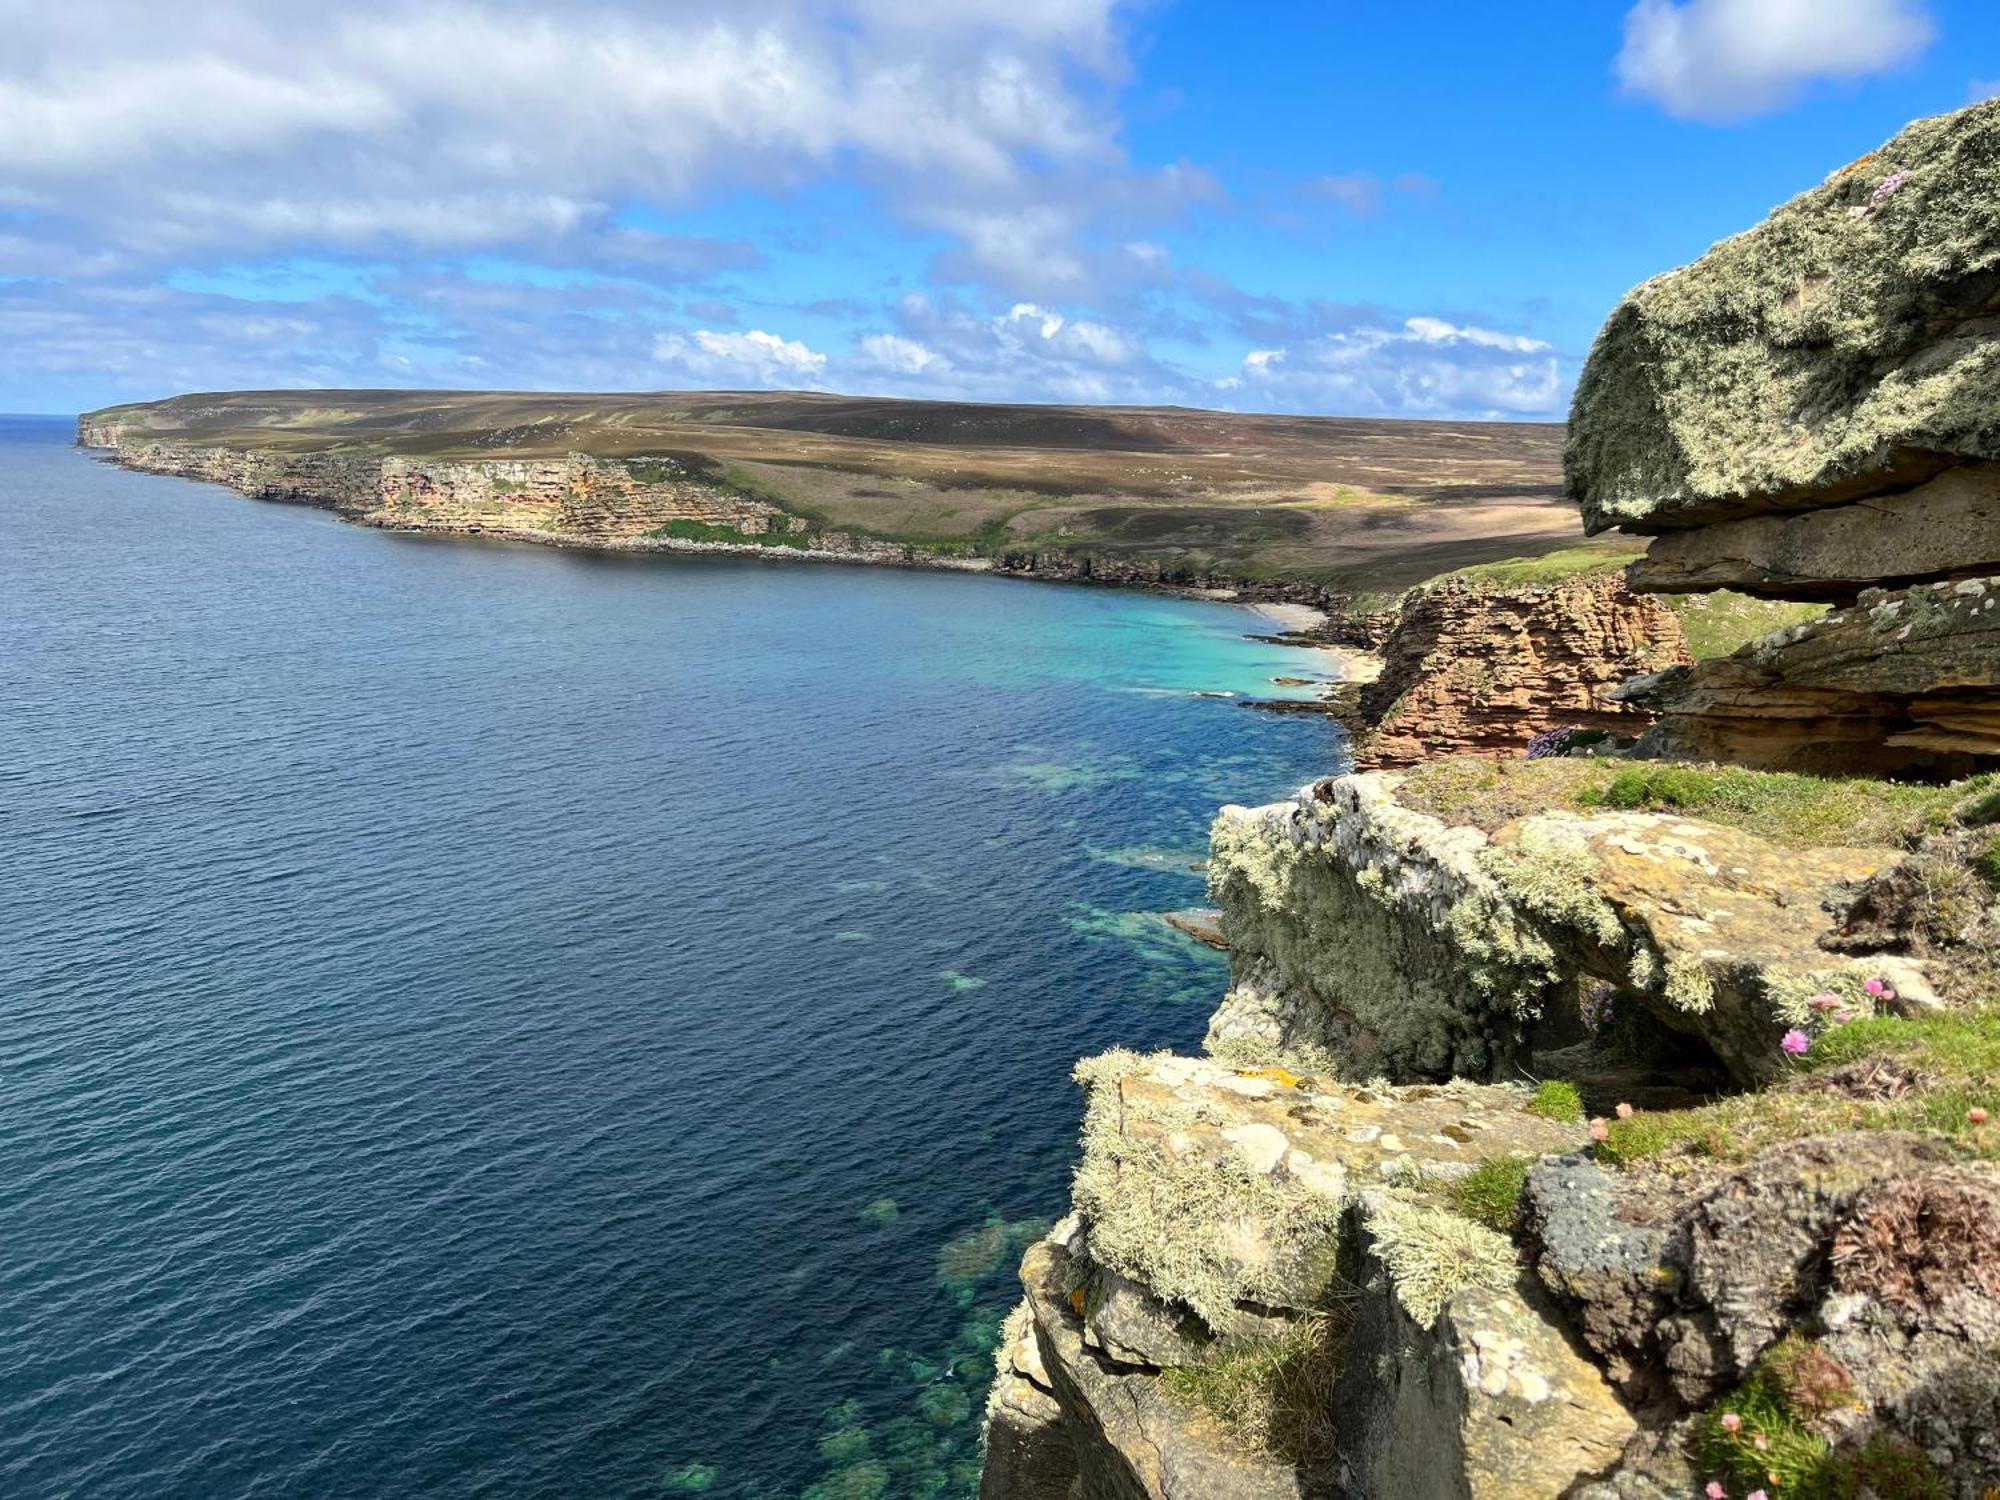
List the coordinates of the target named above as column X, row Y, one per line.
column 1482, row 671
column 1812, row 411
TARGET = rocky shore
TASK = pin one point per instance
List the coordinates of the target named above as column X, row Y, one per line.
column 1614, row 1121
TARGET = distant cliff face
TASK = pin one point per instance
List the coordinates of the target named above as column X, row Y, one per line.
column 576, row 496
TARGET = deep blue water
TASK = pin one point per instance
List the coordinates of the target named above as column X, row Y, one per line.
column 490, row 1021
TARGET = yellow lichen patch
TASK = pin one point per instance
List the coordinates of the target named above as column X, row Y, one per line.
column 1283, row 1076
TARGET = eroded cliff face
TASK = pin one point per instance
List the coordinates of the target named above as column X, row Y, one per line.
column 1468, row 670
column 579, row 496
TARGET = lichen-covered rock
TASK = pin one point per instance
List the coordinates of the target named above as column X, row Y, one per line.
column 1905, row 681
column 1219, row 1213
column 1845, row 347
column 1028, row 1454
column 1401, row 945
column 1479, row 671
column 1878, row 1248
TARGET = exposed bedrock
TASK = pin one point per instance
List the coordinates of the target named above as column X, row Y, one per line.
column 1250, row 1250
column 1395, row 943
column 1482, row 671
column 1848, row 346
column 1906, row 681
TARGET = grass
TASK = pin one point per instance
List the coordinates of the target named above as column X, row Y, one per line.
column 1275, row 1394
column 1559, row 1101
column 1789, row 809
column 1946, row 1065
column 1560, row 566
column 1491, row 1193
column 1790, row 1405
column 1716, row 624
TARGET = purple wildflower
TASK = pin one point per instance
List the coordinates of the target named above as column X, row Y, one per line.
column 1889, row 185
column 1796, row 1042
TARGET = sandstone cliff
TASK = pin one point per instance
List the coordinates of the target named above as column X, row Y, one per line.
column 1472, row 670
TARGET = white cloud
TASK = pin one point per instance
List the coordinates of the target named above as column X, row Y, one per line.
column 1721, row 60
column 894, row 353
column 753, row 358
column 262, row 126
column 1427, row 367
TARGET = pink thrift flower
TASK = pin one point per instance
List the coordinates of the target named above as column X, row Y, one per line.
column 1824, row 1001
column 1876, row 988
column 1715, row 1491
column 1843, row 1017
column 1976, row 1115
column 1624, row 1111
column 1599, row 1131
column 1757, row 1495
column 1731, row 1423
column 1796, row 1042
column 1760, row 1442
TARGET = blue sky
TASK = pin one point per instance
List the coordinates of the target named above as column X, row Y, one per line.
column 1321, row 207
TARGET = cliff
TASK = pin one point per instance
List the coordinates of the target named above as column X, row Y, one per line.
column 1809, row 412
column 1615, row 1126
column 644, row 502
column 1480, row 670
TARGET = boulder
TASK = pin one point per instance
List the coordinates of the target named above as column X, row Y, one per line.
column 1877, row 1246
column 1845, row 348
column 1898, row 682
column 1489, row 1402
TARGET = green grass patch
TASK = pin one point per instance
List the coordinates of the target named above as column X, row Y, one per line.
column 1952, row 1056
column 1772, row 1434
column 1275, row 1394
column 1491, row 1193
column 1716, row 624
column 1558, row 1100
column 1790, row 809
column 1561, row 566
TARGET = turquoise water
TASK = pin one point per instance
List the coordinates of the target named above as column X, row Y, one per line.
column 492, row 1021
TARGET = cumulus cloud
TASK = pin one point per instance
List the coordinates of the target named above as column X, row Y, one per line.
column 754, row 358
column 1427, row 366
column 1721, row 60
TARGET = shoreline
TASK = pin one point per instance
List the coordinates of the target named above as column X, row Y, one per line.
column 1298, row 622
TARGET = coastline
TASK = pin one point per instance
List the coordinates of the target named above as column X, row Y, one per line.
column 1300, row 623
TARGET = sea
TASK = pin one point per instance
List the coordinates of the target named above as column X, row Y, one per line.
column 483, row 1020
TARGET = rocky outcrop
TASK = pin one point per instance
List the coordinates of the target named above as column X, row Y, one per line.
column 1240, row 1238
column 578, row 496
column 1848, row 346
column 1396, row 943
column 1482, row 671
column 1880, row 1246
column 1812, row 411
column 1898, row 682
